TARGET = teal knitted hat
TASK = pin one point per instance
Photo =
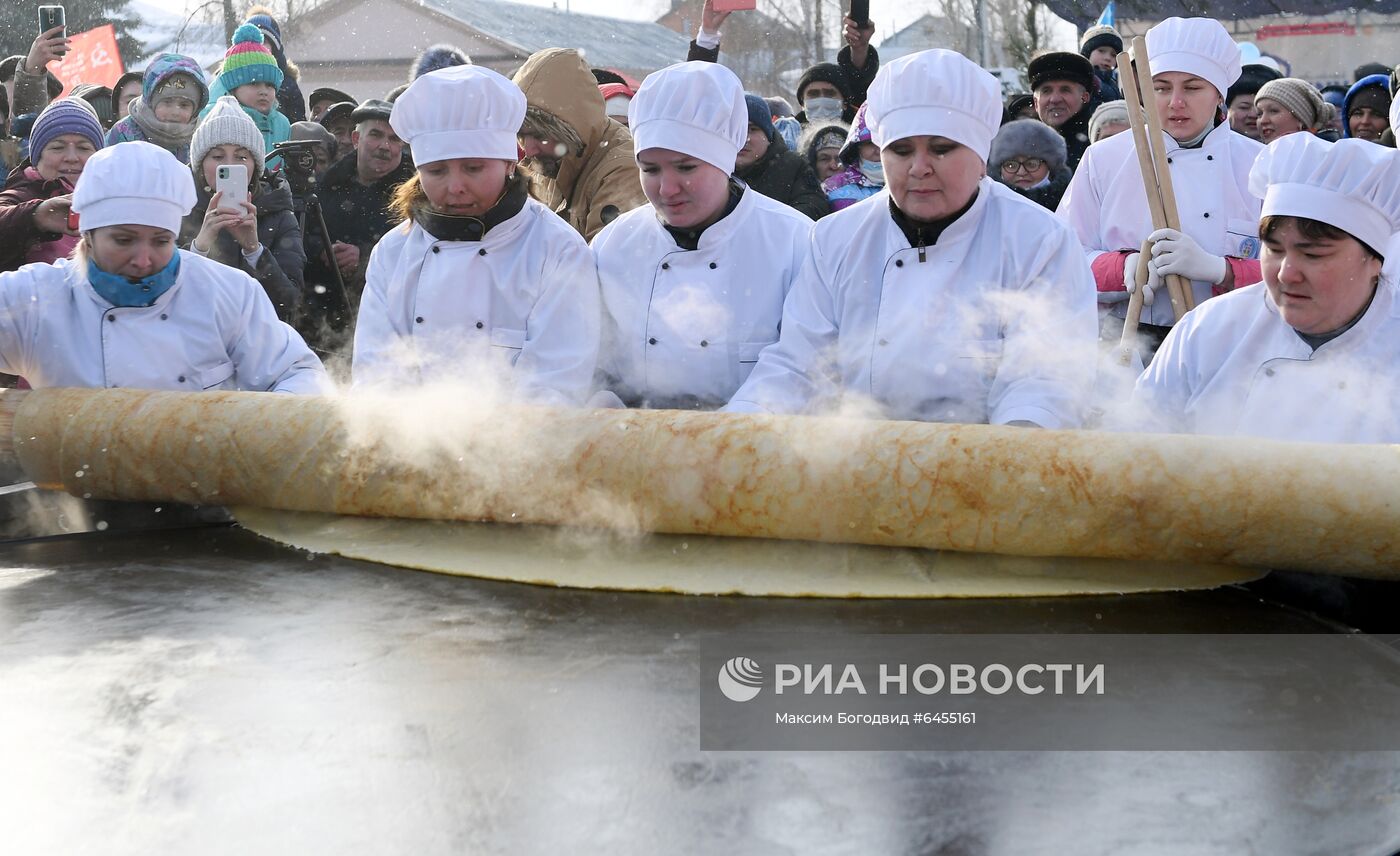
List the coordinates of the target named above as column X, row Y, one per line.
column 248, row 60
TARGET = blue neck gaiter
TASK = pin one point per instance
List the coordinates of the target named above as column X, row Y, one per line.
column 120, row 291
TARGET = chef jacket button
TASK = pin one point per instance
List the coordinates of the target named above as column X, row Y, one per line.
column 418, row 320
column 435, row 249
column 713, row 265
column 884, row 341
column 1210, row 157
column 1206, row 215
column 665, row 265
column 181, row 378
column 164, row 317
column 651, row 341
column 111, row 317
column 899, row 262
column 479, row 325
column 1269, row 372
column 704, row 343
column 481, row 252
column 1169, row 160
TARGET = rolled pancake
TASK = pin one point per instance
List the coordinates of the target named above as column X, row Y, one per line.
column 966, row 488
column 704, row 564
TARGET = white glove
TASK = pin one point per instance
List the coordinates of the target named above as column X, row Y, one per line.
column 1177, row 253
column 1149, row 288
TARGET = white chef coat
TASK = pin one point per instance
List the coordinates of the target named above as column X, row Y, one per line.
column 995, row 323
column 1107, row 205
column 213, row 329
column 521, row 305
column 683, row 328
column 1234, row 367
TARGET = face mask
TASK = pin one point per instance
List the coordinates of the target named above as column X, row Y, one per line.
column 120, row 291
column 823, row 109
column 874, row 171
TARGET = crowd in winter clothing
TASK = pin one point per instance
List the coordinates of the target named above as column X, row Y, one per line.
column 908, row 237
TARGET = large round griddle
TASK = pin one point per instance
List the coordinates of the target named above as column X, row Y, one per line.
column 205, row 691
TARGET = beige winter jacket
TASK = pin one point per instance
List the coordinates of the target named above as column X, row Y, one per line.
column 598, row 177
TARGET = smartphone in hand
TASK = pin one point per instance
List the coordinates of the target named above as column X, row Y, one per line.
column 860, row 13
column 50, row 17
column 231, row 180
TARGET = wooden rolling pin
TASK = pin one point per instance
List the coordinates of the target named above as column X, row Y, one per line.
column 976, row 488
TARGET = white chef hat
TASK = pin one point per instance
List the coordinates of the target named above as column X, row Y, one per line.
column 936, row 93
column 695, row 108
column 465, row 111
column 1351, row 184
column 133, row 183
column 1198, row 46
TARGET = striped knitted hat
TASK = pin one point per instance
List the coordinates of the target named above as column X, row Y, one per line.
column 248, row 60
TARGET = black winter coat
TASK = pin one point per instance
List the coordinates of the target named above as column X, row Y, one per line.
column 280, row 268
column 355, row 214
column 784, row 175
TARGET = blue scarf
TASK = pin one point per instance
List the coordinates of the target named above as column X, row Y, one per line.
column 120, row 291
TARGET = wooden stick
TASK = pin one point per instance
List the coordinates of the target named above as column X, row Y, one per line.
column 1177, row 286
column 1127, row 75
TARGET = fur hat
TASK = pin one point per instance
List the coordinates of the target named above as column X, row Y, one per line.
column 1028, row 138
column 1060, row 65
column 436, row 57
column 1102, row 36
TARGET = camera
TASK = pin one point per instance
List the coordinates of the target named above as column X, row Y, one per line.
column 299, row 160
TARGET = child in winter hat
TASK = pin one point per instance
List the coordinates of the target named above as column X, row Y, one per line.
column 864, row 174
column 251, row 75
column 173, row 91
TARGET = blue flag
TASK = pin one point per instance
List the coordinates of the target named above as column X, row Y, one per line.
column 1108, row 16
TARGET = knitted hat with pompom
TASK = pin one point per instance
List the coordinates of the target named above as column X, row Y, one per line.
column 248, row 60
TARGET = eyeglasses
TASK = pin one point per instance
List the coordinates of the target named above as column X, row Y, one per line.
column 1030, row 165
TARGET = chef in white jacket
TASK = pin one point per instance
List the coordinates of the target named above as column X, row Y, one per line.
column 946, row 297
column 693, row 282
column 1194, row 62
column 1312, row 353
column 480, row 283
column 131, row 310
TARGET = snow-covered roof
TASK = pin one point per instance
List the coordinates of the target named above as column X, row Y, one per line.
column 611, row 42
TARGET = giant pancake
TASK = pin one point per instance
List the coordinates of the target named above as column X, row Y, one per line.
column 966, row 488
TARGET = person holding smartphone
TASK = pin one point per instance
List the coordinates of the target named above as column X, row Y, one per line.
column 257, row 234
column 130, row 309
column 28, row 82
column 35, row 202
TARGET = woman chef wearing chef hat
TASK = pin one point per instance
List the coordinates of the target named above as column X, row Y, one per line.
column 1194, row 62
column 1311, row 353
column 478, row 275
column 946, row 297
column 130, row 310
column 693, row 283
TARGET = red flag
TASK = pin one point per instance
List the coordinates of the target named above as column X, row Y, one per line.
column 92, row 58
